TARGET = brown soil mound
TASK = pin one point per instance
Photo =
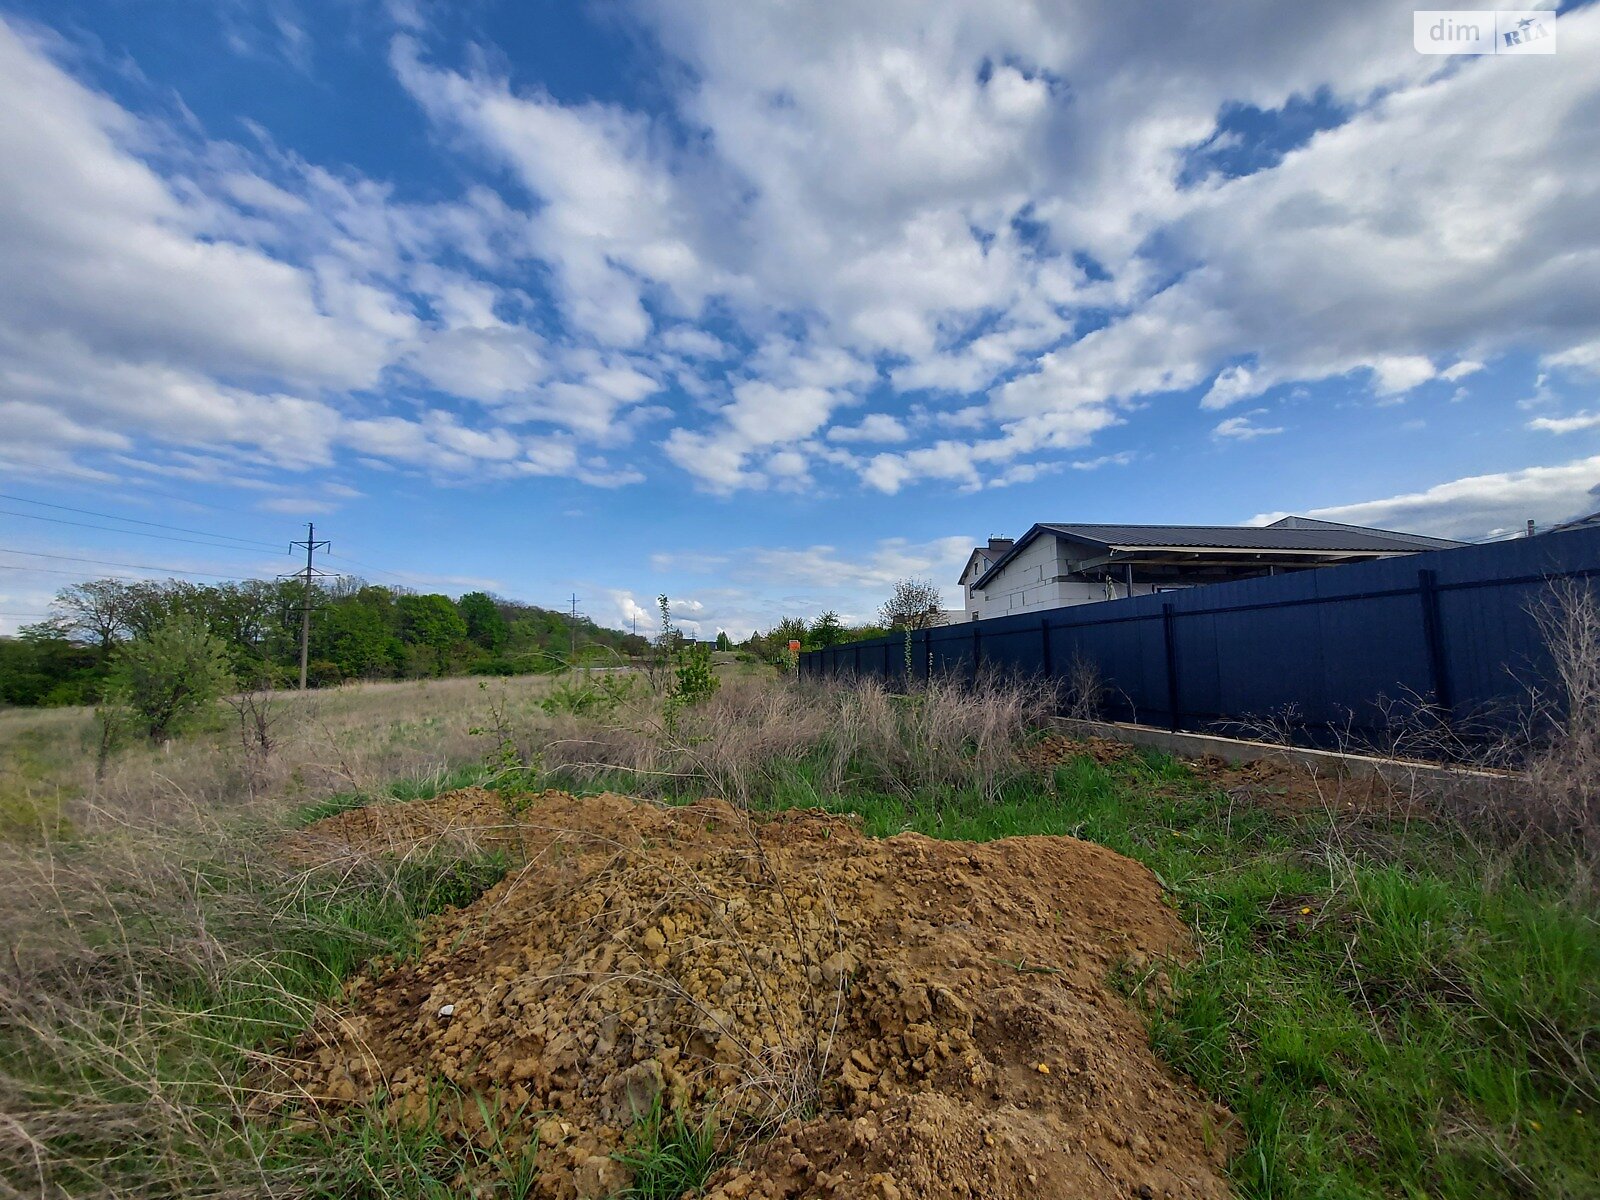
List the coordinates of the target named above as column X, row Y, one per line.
column 898, row 1018
column 1276, row 782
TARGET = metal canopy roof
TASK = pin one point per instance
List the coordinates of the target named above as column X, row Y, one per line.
column 1292, row 535
column 1230, row 537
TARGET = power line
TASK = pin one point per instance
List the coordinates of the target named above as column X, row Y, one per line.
column 57, row 571
column 6, row 512
column 101, row 562
column 39, row 615
column 89, row 512
column 358, row 563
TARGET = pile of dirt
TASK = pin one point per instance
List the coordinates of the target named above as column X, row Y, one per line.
column 893, row 1018
column 1277, row 782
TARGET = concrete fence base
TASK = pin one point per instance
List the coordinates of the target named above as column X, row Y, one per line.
column 1413, row 778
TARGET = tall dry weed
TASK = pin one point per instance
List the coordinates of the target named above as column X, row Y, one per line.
column 751, row 739
column 1564, row 771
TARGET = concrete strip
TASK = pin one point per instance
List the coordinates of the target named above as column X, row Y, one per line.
column 1415, row 778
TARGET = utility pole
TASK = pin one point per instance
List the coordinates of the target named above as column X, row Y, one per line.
column 572, row 651
column 311, row 546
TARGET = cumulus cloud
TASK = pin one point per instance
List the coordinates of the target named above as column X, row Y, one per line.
column 998, row 235
column 1480, row 506
column 186, row 300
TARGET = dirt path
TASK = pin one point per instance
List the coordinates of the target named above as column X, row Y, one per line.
column 900, row 1018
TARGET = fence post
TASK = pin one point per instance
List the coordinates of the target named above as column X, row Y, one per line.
column 977, row 651
column 1433, row 636
column 927, row 655
column 1044, row 649
column 1174, row 718
column 857, row 667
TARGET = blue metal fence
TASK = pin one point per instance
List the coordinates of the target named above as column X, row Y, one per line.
column 1335, row 646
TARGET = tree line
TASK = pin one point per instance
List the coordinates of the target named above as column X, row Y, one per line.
column 358, row 631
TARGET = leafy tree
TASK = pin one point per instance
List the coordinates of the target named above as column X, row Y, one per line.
column 432, row 625
column 826, row 630
column 790, row 629
column 98, row 609
column 40, row 666
column 358, row 631
column 914, row 604
column 356, row 641
column 166, row 679
column 154, row 603
column 485, row 625
column 724, row 642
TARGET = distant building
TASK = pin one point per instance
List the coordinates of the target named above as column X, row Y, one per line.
column 1055, row 565
column 978, row 564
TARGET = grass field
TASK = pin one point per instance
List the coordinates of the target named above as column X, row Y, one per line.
column 1392, row 1006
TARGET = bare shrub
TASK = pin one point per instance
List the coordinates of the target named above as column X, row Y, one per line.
column 1086, row 689
column 1563, row 776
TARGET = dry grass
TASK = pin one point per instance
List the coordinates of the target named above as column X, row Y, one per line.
column 363, row 738
column 154, row 938
column 157, row 947
column 752, row 741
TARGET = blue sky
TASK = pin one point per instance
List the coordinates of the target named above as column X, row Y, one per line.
column 765, row 305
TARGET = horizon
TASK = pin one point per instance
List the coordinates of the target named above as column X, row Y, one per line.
column 765, row 311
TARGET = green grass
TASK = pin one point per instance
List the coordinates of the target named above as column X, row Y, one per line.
column 1390, row 1011
column 190, row 1034
column 424, row 787
column 670, row 1154
column 369, row 1156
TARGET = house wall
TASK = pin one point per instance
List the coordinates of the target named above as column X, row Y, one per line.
column 1039, row 579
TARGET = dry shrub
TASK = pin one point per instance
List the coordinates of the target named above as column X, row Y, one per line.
column 1563, row 777
column 753, row 739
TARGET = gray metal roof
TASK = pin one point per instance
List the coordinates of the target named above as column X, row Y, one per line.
column 1580, row 523
column 1290, row 534
column 1232, row 537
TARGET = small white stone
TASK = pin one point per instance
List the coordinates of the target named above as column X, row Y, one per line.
column 447, row 1010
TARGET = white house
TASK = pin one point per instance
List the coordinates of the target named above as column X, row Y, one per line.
column 1054, row 565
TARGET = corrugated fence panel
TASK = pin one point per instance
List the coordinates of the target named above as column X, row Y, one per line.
column 1453, row 627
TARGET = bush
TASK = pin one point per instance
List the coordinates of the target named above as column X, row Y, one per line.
column 589, row 697
column 162, row 682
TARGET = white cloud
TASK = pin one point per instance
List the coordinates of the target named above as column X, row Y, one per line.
column 875, row 427
column 1573, row 424
column 211, row 307
column 1482, row 505
column 1244, row 428
column 906, row 198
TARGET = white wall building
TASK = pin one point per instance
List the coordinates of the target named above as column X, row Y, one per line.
column 1055, row 565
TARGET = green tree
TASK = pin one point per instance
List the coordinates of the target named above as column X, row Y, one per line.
column 356, row 640
column 432, row 625
column 166, row 679
column 98, row 609
column 485, row 626
column 724, row 642
column 826, row 630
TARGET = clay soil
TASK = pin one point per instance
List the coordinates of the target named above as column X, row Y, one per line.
column 880, row 1018
column 1271, row 782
